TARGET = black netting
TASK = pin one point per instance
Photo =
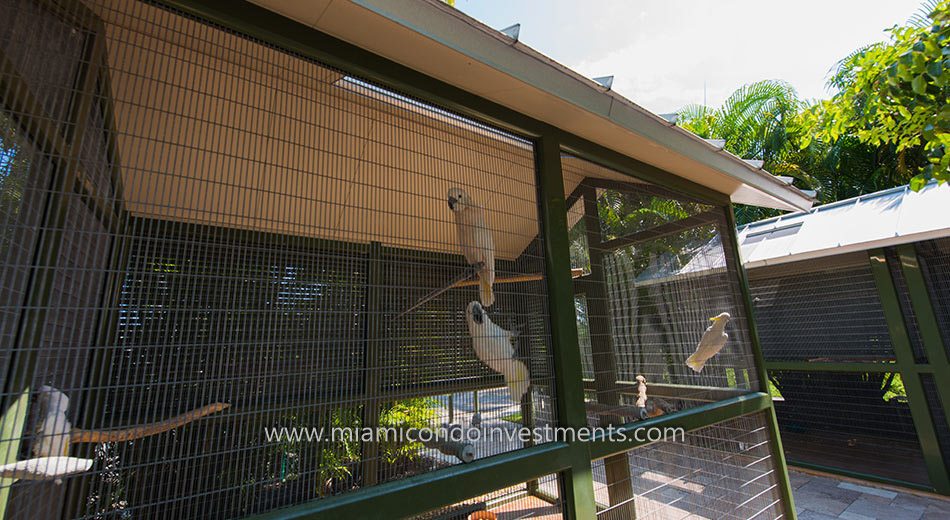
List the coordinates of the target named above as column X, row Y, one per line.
column 819, row 313
column 853, row 421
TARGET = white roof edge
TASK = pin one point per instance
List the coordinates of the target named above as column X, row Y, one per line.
column 451, row 28
column 850, row 248
column 826, row 207
column 885, row 218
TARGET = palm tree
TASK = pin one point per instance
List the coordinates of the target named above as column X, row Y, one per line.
column 756, row 122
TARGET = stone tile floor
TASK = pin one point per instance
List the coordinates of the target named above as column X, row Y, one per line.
column 825, row 498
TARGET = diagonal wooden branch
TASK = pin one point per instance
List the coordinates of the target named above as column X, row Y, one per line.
column 470, row 271
column 137, row 432
column 465, row 280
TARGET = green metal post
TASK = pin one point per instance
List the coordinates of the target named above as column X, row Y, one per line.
column 733, row 255
column 926, row 320
column 577, row 483
column 916, row 398
column 371, row 359
column 616, row 467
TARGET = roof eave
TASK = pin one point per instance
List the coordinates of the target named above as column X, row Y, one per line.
column 589, row 110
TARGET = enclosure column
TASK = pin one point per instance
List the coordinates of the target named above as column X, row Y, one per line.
column 594, row 287
column 371, row 363
column 733, row 254
column 577, row 485
column 916, row 397
column 926, row 321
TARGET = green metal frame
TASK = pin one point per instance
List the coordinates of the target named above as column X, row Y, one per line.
column 900, row 340
column 572, row 461
column 937, row 365
column 729, row 240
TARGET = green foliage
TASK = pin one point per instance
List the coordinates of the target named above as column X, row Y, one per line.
column 895, row 94
column 886, row 124
column 339, row 456
column 410, row 413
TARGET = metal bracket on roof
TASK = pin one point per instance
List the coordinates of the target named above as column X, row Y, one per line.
column 785, row 178
column 810, row 193
column 718, row 143
column 755, row 163
column 605, row 81
column 512, row 31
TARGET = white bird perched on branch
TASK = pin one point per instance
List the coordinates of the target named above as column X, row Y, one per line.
column 52, row 426
column 711, row 343
column 476, row 240
column 494, row 346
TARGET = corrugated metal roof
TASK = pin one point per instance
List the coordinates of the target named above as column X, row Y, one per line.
column 880, row 219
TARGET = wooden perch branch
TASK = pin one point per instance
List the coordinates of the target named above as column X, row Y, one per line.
column 465, row 280
column 534, row 277
column 138, row 432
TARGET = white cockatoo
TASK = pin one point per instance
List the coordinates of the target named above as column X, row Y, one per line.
column 495, row 347
column 52, row 426
column 476, row 241
column 711, row 343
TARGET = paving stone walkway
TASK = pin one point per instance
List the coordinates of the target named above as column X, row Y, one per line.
column 826, row 498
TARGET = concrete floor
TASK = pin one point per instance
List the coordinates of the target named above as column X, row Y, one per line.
column 826, row 498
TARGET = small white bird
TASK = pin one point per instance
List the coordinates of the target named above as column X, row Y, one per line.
column 52, row 426
column 494, row 346
column 711, row 343
column 476, row 240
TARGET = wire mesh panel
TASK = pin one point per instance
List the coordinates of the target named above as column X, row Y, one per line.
column 822, row 310
column 216, row 253
column 656, row 296
column 934, row 257
column 907, row 308
column 721, row 471
column 536, row 499
column 938, row 414
column 859, row 422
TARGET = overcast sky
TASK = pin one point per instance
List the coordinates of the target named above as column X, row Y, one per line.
column 662, row 51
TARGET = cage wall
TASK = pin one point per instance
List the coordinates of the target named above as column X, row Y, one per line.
column 214, row 248
column 207, row 238
column 721, row 471
column 852, row 365
column 662, row 329
column 537, row 499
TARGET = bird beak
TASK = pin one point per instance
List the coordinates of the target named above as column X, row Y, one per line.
column 714, row 318
column 452, row 202
column 478, row 315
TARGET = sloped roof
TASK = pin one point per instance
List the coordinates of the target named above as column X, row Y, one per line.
column 444, row 43
column 885, row 218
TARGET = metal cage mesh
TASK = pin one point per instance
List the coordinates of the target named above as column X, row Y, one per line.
column 812, row 311
column 651, row 270
column 536, row 499
column 195, row 221
column 849, row 420
column 934, row 257
column 721, row 471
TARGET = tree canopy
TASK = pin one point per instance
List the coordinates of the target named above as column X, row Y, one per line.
column 886, row 123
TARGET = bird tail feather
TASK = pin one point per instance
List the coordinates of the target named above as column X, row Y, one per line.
column 486, row 294
column 518, row 380
column 694, row 363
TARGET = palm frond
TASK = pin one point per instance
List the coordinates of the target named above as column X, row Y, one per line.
column 923, row 19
